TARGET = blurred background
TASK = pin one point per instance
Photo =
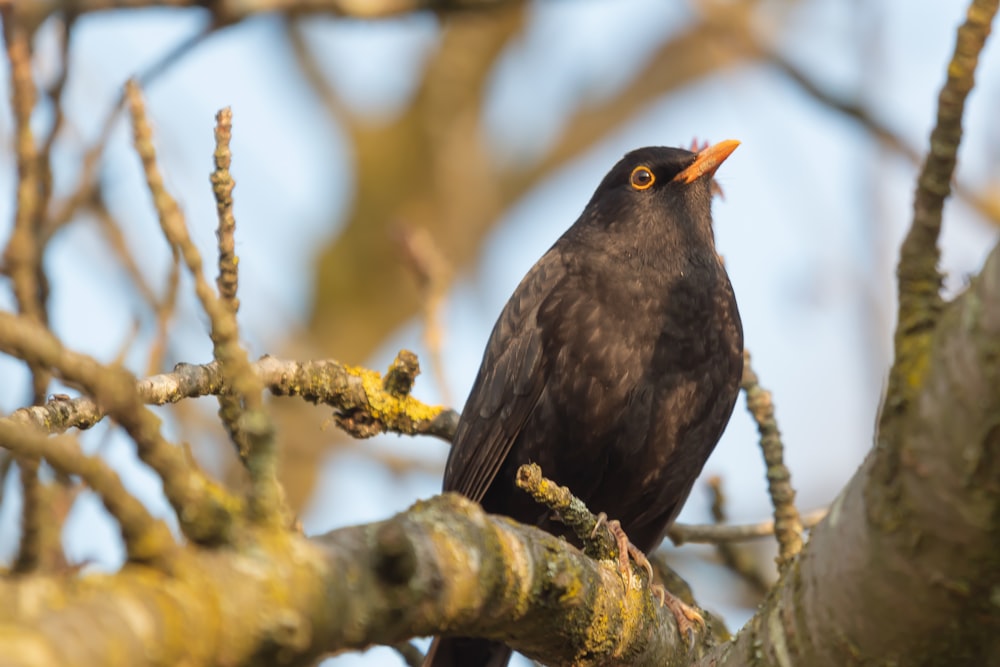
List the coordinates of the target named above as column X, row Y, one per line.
column 396, row 178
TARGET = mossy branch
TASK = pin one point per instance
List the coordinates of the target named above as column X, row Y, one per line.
column 442, row 566
column 920, row 300
column 363, row 402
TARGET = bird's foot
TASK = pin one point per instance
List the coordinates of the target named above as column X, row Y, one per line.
column 687, row 617
column 625, row 549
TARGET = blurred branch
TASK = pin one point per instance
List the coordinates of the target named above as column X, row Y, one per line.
column 737, row 558
column 433, row 275
column 22, row 262
column 33, row 13
column 161, row 308
column 204, row 509
column 55, row 94
column 981, row 202
column 87, row 186
column 684, row 533
column 146, row 539
column 411, row 655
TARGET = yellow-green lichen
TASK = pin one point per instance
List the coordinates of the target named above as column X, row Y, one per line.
column 388, row 408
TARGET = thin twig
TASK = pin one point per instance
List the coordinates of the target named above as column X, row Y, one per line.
column 227, row 282
column 250, row 425
column 22, row 261
column 787, row 524
column 222, row 187
column 433, row 274
column 573, row 512
column 87, row 185
column 204, row 509
column 722, row 534
column 737, row 558
column 888, row 137
column 161, row 308
column 146, row 539
column 55, row 93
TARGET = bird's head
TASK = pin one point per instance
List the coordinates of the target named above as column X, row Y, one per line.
column 658, row 193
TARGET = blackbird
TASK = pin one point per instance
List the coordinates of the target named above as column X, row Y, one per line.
column 615, row 365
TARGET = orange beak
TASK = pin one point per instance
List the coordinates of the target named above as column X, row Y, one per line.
column 707, row 161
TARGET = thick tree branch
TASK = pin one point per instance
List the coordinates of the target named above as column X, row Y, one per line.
column 443, row 565
column 917, row 556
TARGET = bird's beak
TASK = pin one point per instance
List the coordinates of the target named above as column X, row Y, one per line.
column 707, row 161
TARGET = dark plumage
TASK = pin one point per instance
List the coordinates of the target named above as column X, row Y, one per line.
column 614, row 366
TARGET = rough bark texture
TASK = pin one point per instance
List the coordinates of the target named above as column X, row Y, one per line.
column 278, row 599
column 906, row 571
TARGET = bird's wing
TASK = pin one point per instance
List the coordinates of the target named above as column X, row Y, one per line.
column 507, row 389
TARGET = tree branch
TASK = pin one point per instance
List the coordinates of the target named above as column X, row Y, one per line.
column 365, row 405
column 204, row 509
column 919, row 279
column 787, row 523
column 444, row 565
column 918, row 554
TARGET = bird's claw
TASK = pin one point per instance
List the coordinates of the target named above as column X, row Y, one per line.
column 625, row 550
column 687, row 617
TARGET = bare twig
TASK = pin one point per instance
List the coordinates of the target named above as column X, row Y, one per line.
column 55, row 93
column 87, row 186
column 433, row 274
column 161, row 308
column 222, row 187
column 205, row 510
column 360, row 397
column 248, row 422
column 867, row 119
column 722, row 534
column 22, row 261
column 146, row 539
column 787, row 525
column 572, row 511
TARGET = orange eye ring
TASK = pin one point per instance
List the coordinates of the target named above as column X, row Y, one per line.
column 642, row 178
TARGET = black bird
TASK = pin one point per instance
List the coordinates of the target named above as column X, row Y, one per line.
column 615, row 365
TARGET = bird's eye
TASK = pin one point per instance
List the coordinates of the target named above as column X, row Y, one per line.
column 642, row 178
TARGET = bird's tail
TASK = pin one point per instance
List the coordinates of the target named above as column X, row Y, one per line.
column 466, row 652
